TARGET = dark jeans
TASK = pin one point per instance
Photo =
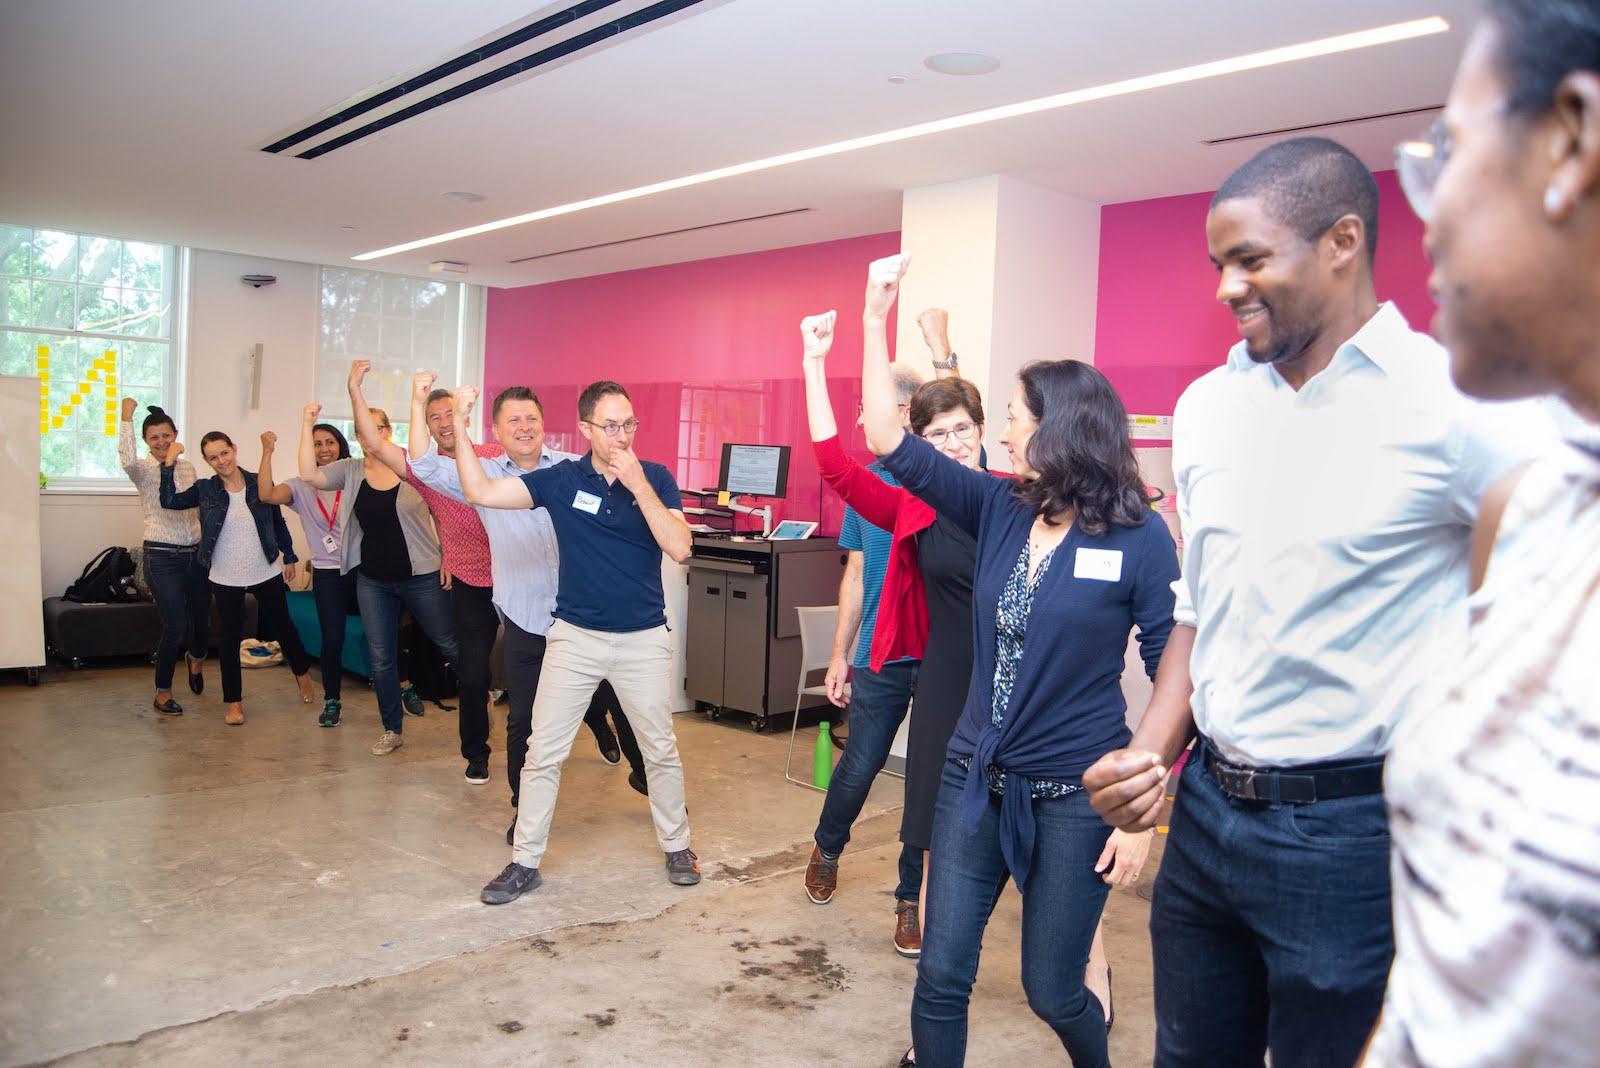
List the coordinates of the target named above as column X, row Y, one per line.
column 183, row 597
column 524, row 658
column 381, row 603
column 878, row 703
column 604, row 703
column 1271, row 928
column 334, row 595
column 1061, row 906
column 476, row 623
column 270, row 605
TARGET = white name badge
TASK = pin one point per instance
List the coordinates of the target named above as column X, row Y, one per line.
column 1102, row 565
column 586, row 502
column 330, row 543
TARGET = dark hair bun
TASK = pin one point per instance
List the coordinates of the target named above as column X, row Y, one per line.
column 154, row 409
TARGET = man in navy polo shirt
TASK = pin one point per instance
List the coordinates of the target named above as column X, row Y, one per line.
column 613, row 515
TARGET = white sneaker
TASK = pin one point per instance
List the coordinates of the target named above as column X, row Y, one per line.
column 390, row 741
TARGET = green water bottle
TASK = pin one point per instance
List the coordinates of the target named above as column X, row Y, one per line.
column 822, row 765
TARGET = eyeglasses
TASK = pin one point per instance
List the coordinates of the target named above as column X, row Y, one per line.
column 962, row 432
column 1420, row 161
column 611, row 430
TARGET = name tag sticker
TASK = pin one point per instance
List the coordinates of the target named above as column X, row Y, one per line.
column 1103, row 565
column 586, row 502
column 330, row 543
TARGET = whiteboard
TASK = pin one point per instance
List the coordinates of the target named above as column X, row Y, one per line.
column 21, row 583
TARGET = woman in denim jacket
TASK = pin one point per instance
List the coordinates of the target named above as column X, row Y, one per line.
column 241, row 543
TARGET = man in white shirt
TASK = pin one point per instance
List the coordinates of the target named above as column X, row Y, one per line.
column 1328, row 476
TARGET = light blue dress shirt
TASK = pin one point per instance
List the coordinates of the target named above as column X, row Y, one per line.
column 1326, row 535
column 522, row 544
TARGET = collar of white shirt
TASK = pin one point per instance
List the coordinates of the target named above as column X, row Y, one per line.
column 1386, row 333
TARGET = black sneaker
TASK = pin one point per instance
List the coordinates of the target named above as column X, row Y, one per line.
column 477, row 772
column 637, row 781
column 511, row 884
column 609, row 751
column 683, row 868
column 330, row 713
column 411, row 702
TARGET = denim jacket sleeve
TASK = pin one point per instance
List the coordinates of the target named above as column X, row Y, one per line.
column 172, row 497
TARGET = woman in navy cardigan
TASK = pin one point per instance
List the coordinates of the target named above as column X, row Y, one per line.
column 1070, row 558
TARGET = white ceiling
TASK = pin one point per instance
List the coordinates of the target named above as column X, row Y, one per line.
column 145, row 120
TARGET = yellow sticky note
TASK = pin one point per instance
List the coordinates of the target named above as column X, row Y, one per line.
column 111, row 379
column 94, row 372
column 44, row 352
column 111, row 407
column 722, row 497
column 44, row 376
column 55, row 423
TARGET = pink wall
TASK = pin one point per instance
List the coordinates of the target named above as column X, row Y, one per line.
column 709, row 352
column 1158, row 324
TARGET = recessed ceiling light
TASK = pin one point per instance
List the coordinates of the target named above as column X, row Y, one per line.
column 347, row 229
column 1325, row 46
column 898, row 79
column 964, row 63
column 465, row 198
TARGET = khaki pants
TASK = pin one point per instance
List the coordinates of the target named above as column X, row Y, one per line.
column 638, row 664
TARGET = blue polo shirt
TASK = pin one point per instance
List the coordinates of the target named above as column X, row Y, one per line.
column 874, row 544
column 609, row 575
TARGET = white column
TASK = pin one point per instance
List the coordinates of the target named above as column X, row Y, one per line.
column 1015, row 264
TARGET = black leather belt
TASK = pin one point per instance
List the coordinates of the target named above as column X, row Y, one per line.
column 1296, row 786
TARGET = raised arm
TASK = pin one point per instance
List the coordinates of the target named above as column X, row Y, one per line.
column 880, row 413
column 310, row 473
column 816, row 336
column 935, row 324
column 127, row 451
column 667, row 523
column 269, row 492
column 417, row 438
column 372, row 443
column 172, row 497
column 477, row 487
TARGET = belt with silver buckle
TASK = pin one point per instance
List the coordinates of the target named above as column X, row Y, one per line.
column 1296, row 786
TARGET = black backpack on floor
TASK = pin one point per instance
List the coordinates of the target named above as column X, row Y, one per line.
column 107, row 579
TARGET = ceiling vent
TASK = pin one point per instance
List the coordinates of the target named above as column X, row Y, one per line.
column 545, row 40
column 663, row 233
column 1310, row 127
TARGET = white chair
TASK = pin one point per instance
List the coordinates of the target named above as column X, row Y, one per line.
column 816, row 649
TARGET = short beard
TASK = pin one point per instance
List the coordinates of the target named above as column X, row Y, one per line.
column 1285, row 349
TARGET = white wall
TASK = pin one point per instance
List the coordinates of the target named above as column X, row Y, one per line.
column 225, row 320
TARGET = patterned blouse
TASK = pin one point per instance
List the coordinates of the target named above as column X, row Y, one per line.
column 1011, row 625
column 1494, row 805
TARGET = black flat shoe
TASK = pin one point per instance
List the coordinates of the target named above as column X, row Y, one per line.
column 908, row 1059
column 169, row 707
column 197, row 679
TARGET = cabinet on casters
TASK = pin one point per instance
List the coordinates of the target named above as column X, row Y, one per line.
column 743, row 642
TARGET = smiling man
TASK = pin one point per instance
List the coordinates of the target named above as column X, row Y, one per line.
column 1328, row 476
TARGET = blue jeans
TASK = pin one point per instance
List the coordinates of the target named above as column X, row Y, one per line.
column 183, row 597
column 878, row 703
column 1061, row 907
column 1271, row 928
column 380, row 614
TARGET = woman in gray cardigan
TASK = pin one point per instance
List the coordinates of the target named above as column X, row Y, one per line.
column 389, row 536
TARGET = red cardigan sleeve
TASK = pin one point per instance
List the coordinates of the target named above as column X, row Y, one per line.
column 876, row 500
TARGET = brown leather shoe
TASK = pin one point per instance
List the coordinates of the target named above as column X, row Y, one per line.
column 822, row 877
column 907, row 929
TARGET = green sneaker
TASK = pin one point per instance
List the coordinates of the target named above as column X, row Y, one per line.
column 330, row 713
column 409, row 699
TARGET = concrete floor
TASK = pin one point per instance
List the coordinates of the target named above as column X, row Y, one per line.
column 175, row 891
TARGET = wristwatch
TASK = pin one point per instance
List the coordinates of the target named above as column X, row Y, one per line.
column 946, row 365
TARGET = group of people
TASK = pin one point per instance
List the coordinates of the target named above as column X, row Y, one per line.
column 1385, row 621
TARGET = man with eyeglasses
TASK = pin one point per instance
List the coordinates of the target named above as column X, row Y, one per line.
column 613, row 516
column 1328, row 476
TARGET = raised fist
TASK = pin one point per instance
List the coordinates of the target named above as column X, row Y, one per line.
column 935, row 323
column 358, row 372
column 269, row 440
column 310, row 412
column 129, row 406
column 466, row 397
column 816, row 331
column 883, row 283
column 174, row 451
column 422, row 384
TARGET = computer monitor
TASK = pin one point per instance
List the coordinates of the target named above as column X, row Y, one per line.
column 754, row 470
